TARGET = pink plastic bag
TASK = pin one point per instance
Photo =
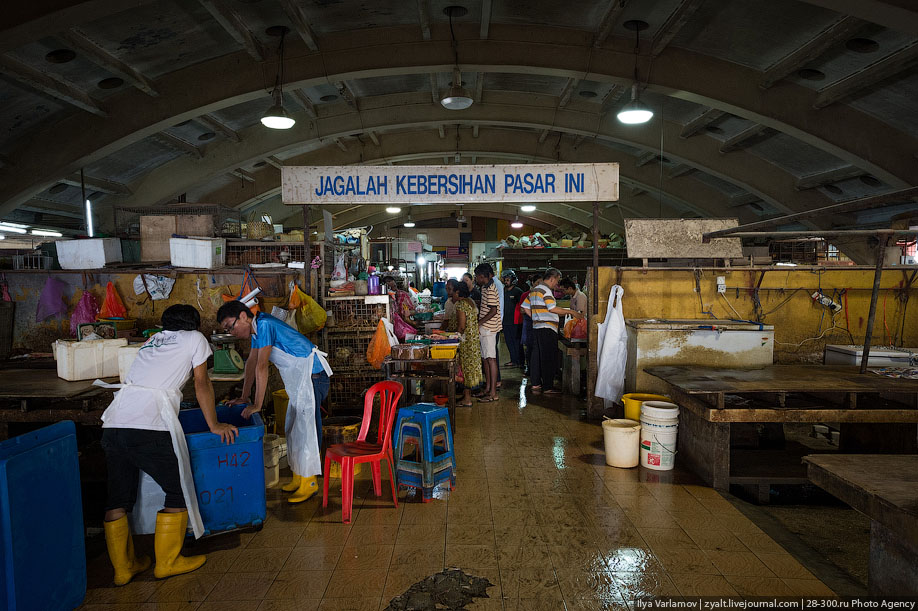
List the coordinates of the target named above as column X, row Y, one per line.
column 86, row 311
column 401, row 327
column 51, row 302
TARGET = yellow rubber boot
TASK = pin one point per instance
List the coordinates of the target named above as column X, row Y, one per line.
column 293, row 485
column 121, row 551
column 308, row 487
column 167, row 543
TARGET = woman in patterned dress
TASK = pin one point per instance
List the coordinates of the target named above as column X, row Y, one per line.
column 470, row 346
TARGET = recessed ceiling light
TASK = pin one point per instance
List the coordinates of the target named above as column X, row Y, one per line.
column 112, row 82
column 207, row 136
column 58, row 188
column 182, row 124
column 586, row 93
column 870, row 181
column 862, row 45
column 277, row 30
column 528, row 208
column 713, row 129
column 811, row 74
column 60, row 56
column 833, row 189
column 328, row 98
column 393, row 209
column 259, row 164
column 455, row 11
column 636, row 25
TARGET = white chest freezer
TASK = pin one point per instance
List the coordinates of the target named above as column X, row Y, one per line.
column 838, row 354
column 704, row 342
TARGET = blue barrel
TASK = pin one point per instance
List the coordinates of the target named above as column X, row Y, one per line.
column 42, row 550
column 439, row 290
column 228, row 479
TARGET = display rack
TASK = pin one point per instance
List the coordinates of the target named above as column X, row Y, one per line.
column 347, row 351
column 256, row 252
column 353, row 314
column 346, row 390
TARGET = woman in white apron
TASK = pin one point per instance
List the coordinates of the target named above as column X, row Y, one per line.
column 305, row 373
column 141, row 432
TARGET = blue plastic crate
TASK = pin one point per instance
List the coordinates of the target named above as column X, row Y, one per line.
column 229, row 479
column 44, row 564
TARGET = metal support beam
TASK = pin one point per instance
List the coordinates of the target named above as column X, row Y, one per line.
column 373, row 137
column 245, row 176
column 673, row 24
column 235, row 27
column 543, row 135
column 485, row 19
column 646, row 158
column 569, row 87
column 441, row 131
column 345, row 91
column 307, row 268
column 303, row 100
column 700, row 122
column 744, row 199
column 51, row 86
column 434, row 89
column 424, row 18
column 274, row 161
column 839, row 30
column 479, row 86
column 177, row 144
column 475, row 130
column 98, row 184
column 811, row 181
column 890, row 65
column 594, row 289
column 734, row 142
column 218, row 126
column 340, row 145
column 300, row 23
column 680, row 169
column 872, row 313
column 609, row 20
column 99, row 56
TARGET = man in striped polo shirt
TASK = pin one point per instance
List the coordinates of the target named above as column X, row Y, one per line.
column 541, row 306
column 489, row 324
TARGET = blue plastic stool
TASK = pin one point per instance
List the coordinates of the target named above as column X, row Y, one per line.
column 426, row 426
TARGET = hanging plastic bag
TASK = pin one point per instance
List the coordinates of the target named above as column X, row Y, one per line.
column 51, row 302
column 340, row 271
column 85, row 312
column 612, row 349
column 309, row 315
column 569, row 328
column 248, row 285
column 159, row 287
column 401, row 327
column 379, row 347
column 113, row 306
column 580, row 329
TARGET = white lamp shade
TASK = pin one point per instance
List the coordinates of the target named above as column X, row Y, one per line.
column 516, row 225
column 634, row 113
column 277, row 118
column 457, row 98
column 409, row 224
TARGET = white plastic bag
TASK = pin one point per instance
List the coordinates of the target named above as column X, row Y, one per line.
column 612, row 349
column 150, row 499
column 160, row 287
column 390, row 331
column 340, row 272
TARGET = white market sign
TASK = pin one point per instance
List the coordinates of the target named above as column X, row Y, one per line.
column 448, row 184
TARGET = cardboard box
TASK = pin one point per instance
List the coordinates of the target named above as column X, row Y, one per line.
column 156, row 231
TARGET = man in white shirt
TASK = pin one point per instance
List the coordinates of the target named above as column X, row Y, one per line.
column 578, row 298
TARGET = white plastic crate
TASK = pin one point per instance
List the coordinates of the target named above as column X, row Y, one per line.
column 126, row 356
column 93, row 253
column 198, row 253
column 88, row 359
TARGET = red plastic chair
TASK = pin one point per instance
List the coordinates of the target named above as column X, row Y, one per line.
column 352, row 453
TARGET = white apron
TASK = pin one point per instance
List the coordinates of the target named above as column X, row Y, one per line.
column 300, row 427
column 169, row 403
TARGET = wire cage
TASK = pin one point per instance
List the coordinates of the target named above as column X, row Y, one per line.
column 227, row 221
column 33, row 261
column 251, row 252
column 353, row 314
column 347, row 352
column 346, row 391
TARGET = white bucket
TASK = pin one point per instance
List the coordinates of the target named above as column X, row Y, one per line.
column 272, row 449
column 659, row 426
column 621, row 439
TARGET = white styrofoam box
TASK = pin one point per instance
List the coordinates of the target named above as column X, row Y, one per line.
column 199, row 253
column 88, row 359
column 126, row 356
column 840, row 354
column 93, row 253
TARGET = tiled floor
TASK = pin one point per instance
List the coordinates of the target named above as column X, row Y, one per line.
column 535, row 510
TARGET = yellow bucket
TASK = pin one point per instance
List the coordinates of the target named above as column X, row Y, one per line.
column 633, row 402
column 280, row 411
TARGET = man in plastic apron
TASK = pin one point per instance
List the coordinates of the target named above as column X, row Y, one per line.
column 305, row 373
column 141, row 431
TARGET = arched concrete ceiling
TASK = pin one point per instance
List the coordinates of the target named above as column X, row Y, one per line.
column 528, row 72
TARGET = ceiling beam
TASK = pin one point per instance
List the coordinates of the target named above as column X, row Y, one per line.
column 300, row 23
column 898, row 15
column 479, row 86
column 230, row 21
column 340, row 145
column 608, row 21
column 218, row 126
column 53, row 86
column 569, row 87
column 434, row 88
column 245, row 176
column 885, row 68
column 734, row 142
column 645, row 158
column 98, row 184
column 673, row 24
column 441, row 130
column 744, row 199
column 680, row 169
column 700, row 122
column 843, row 28
column 373, row 137
column 345, row 91
column 303, row 100
column 177, row 144
column 424, row 18
column 811, row 181
column 543, row 135
column 485, row 27
column 102, row 58
column 613, row 98
column 274, row 161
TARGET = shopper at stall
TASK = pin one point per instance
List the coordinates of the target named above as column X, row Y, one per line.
column 489, row 324
column 545, row 318
column 449, row 308
column 510, row 324
column 470, row 343
column 526, row 335
column 474, row 291
column 141, row 432
column 305, row 373
column 577, row 297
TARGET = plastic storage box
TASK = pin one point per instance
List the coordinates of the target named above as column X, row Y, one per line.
column 93, row 253
column 198, row 253
column 444, row 351
column 228, row 479
column 42, row 550
column 839, row 354
column 126, row 356
column 88, row 359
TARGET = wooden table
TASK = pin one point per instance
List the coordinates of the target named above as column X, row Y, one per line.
column 885, row 489
column 38, row 395
column 712, row 399
column 443, row 370
column 572, row 351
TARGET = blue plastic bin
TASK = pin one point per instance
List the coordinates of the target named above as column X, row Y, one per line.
column 228, row 479
column 44, row 564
